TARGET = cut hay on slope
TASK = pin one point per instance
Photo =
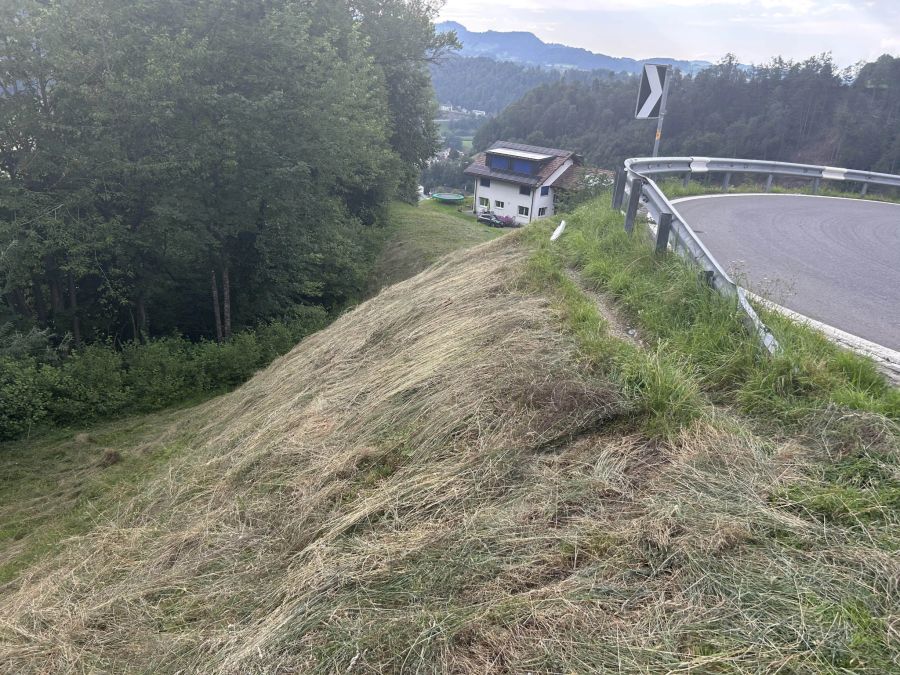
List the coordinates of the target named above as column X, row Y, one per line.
column 329, row 468
column 434, row 484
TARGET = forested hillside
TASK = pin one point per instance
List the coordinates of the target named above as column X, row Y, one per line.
column 807, row 111
column 483, row 83
column 200, row 167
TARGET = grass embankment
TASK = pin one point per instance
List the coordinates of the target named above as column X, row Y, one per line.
column 479, row 471
column 419, row 235
column 61, row 482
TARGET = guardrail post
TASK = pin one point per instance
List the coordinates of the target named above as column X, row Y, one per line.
column 619, row 189
column 686, row 180
column 727, row 181
column 769, row 182
column 865, row 189
column 634, row 200
column 816, row 183
column 662, row 232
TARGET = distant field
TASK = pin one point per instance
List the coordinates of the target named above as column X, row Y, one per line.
column 422, row 234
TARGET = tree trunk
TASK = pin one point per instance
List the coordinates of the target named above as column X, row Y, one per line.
column 40, row 306
column 143, row 323
column 135, row 335
column 226, row 303
column 215, row 299
column 56, row 301
column 17, row 301
column 73, row 307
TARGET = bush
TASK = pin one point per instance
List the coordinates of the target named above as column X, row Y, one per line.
column 25, row 393
column 275, row 339
column 304, row 320
column 230, row 363
column 35, row 343
column 90, row 384
column 40, row 385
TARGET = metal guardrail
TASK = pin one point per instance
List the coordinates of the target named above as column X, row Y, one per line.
column 637, row 184
column 656, row 166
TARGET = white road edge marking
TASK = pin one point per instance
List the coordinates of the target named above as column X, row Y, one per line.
column 778, row 194
column 887, row 359
column 557, row 233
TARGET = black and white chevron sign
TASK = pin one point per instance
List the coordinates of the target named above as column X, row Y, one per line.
column 650, row 96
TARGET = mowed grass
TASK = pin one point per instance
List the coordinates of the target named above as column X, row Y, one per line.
column 420, row 235
column 480, row 471
column 63, row 483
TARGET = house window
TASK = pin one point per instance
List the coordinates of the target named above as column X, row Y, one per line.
column 542, row 212
column 498, row 204
column 523, row 210
column 525, row 190
column 485, row 182
column 545, row 191
column 485, row 202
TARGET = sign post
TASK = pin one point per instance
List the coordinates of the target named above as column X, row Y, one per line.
column 653, row 96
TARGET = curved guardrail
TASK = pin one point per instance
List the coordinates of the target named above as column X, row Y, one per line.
column 656, row 166
column 637, row 184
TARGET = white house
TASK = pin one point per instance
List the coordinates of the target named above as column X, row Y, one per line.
column 521, row 181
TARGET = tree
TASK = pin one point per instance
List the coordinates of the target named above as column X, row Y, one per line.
column 403, row 43
column 790, row 111
column 173, row 165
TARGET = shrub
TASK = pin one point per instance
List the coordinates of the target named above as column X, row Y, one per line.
column 24, row 396
column 159, row 373
column 275, row 339
column 90, row 385
column 40, row 384
column 229, row 363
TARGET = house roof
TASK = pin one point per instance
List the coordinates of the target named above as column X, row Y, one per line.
column 556, row 160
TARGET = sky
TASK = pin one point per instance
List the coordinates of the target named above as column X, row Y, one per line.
column 754, row 30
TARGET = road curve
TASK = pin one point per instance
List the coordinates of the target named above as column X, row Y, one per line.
column 833, row 260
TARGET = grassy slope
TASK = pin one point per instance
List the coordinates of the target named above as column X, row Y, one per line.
column 58, row 484
column 471, row 473
column 422, row 234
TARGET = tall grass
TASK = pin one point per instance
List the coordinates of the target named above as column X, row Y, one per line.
column 699, row 333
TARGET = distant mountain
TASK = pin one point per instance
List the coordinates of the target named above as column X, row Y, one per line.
column 521, row 47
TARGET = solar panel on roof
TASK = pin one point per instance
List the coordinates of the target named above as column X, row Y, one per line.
column 520, row 154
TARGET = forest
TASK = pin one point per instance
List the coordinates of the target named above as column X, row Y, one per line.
column 807, row 111
column 483, row 83
column 196, row 169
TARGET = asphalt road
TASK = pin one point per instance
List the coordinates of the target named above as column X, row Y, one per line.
column 833, row 260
